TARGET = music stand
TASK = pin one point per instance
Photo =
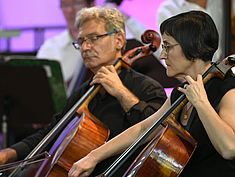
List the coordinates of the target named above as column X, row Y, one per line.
column 31, row 91
column 9, row 33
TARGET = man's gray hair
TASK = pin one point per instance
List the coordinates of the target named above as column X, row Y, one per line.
column 112, row 18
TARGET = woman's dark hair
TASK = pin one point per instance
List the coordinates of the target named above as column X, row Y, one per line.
column 196, row 33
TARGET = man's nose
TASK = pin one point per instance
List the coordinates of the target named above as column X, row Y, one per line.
column 86, row 45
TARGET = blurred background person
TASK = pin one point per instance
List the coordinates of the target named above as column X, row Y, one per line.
column 134, row 28
column 60, row 47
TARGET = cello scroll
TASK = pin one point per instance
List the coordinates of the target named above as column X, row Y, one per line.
column 150, row 37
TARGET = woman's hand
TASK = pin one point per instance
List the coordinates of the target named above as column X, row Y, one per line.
column 83, row 167
column 194, row 91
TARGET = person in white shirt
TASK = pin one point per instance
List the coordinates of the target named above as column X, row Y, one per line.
column 60, row 47
column 214, row 8
column 134, row 29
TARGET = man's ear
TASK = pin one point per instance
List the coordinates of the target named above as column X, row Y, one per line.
column 120, row 41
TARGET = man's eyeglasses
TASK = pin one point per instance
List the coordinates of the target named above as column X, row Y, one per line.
column 168, row 47
column 90, row 39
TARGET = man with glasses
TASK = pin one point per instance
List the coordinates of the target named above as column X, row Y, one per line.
column 126, row 96
column 60, row 47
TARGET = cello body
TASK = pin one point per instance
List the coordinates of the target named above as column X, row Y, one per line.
column 80, row 137
column 165, row 156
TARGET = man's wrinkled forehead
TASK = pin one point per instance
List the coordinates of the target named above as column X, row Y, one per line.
column 92, row 26
column 89, row 21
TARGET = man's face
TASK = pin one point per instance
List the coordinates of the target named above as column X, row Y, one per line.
column 70, row 8
column 99, row 52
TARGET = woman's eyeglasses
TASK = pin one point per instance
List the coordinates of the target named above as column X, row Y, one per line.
column 168, row 47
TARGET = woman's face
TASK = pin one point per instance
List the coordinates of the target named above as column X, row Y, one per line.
column 177, row 65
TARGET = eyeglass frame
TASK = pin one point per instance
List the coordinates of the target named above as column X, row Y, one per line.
column 91, row 39
column 168, row 47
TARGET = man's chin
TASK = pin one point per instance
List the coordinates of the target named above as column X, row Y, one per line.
column 90, row 65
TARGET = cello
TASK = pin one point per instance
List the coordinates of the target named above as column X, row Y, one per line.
column 87, row 129
column 168, row 152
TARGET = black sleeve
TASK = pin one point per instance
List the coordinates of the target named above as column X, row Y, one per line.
column 152, row 96
column 24, row 147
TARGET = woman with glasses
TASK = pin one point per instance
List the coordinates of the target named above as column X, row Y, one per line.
column 189, row 42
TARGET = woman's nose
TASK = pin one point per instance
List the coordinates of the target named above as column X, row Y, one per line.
column 163, row 55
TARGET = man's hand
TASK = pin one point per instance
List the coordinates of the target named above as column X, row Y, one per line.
column 7, row 155
column 109, row 79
